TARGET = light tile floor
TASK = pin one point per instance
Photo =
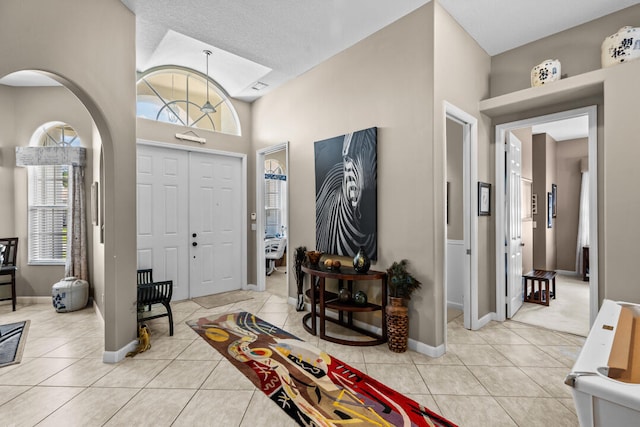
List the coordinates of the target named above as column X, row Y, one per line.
column 507, row 374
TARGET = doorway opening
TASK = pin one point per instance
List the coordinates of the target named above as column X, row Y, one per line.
column 191, row 222
column 546, row 218
column 272, row 219
column 461, row 247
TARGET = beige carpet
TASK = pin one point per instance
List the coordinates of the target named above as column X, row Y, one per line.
column 218, row 300
column 569, row 312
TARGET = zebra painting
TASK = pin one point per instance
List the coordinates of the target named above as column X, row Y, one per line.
column 346, row 194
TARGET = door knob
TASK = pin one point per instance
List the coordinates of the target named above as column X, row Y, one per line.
column 194, row 244
column 194, row 235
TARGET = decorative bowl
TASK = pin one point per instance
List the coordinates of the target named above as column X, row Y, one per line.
column 314, row 257
column 623, row 46
column 545, row 72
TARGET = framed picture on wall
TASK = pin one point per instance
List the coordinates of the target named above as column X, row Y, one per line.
column 95, row 196
column 554, row 193
column 484, row 199
column 549, row 210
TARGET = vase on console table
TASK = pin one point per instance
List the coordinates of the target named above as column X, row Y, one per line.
column 361, row 261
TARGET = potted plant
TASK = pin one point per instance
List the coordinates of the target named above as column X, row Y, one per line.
column 401, row 285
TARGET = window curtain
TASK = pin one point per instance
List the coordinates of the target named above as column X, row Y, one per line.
column 583, row 221
column 76, row 263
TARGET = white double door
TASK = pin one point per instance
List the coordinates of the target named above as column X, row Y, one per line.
column 189, row 219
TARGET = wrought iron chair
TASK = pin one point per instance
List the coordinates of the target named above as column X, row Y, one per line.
column 150, row 292
column 274, row 250
column 9, row 266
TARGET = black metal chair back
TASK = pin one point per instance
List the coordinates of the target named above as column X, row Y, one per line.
column 9, row 265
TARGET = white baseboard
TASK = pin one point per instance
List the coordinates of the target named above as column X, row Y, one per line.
column 414, row 345
column 568, row 273
column 484, row 320
column 426, row 349
column 457, row 306
column 251, row 287
column 118, row 355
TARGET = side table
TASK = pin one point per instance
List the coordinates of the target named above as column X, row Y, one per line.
column 323, row 300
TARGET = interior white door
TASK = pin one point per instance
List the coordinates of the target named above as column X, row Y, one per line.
column 514, row 225
column 215, row 223
column 162, row 210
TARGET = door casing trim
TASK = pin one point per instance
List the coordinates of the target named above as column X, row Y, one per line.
column 592, row 113
column 243, row 189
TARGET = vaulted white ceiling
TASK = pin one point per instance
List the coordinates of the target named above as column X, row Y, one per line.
column 273, row 41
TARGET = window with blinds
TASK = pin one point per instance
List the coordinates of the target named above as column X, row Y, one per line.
column 48, row 198
column 48, row 214
column 274, row 190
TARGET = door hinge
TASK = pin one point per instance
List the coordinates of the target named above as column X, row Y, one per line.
column 468, row 251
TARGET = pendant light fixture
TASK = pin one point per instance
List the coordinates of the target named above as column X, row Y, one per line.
column 207, row 108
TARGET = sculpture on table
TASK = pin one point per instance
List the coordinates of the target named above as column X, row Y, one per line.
column 300, row 254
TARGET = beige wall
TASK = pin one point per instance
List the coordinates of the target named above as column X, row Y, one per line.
column 462, row 80
column 31, row 109
column 618, row 126
column 455, row 225
column 544, row 174
column 569, row 155
column 578, row 50
column 621, row 172
column 95, row 59
column 398, row 62
column 7, row 162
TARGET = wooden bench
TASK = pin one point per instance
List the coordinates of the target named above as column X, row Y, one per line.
column 539, row 292
column 150, row 292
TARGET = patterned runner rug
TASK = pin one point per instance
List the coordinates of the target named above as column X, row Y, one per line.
column 311, row 386
column 13, row 337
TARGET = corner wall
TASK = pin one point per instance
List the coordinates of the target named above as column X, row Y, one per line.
column 386, row 81
column 461, row 77
column 99, row 68
column 618, row 127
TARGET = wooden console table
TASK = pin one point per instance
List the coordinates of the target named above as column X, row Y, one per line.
column 324, row 300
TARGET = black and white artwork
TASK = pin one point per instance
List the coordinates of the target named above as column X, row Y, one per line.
column 346, row 194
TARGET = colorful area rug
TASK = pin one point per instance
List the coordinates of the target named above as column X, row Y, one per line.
column 13, row 337
column 311, row 386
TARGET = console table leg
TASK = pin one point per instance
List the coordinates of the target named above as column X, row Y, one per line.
column 322, row 309
column 313, row 304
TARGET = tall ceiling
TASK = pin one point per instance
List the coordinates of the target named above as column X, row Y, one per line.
column 273, row 42
column 279, row 40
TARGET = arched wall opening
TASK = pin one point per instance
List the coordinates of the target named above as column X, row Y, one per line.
column 32, row 39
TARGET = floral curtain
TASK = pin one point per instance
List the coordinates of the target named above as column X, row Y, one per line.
column 76, row 264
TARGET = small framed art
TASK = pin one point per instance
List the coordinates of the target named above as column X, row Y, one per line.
column 554, row 194
column 484, row 199
column 549, row 210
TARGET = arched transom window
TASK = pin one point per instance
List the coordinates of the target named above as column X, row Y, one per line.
column 176, row 95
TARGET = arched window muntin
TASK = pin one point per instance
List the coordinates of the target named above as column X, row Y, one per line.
column 48, row 197
column 174, row 94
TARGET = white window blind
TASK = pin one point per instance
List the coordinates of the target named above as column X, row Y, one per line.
column 48, row 214
column 273, row 207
